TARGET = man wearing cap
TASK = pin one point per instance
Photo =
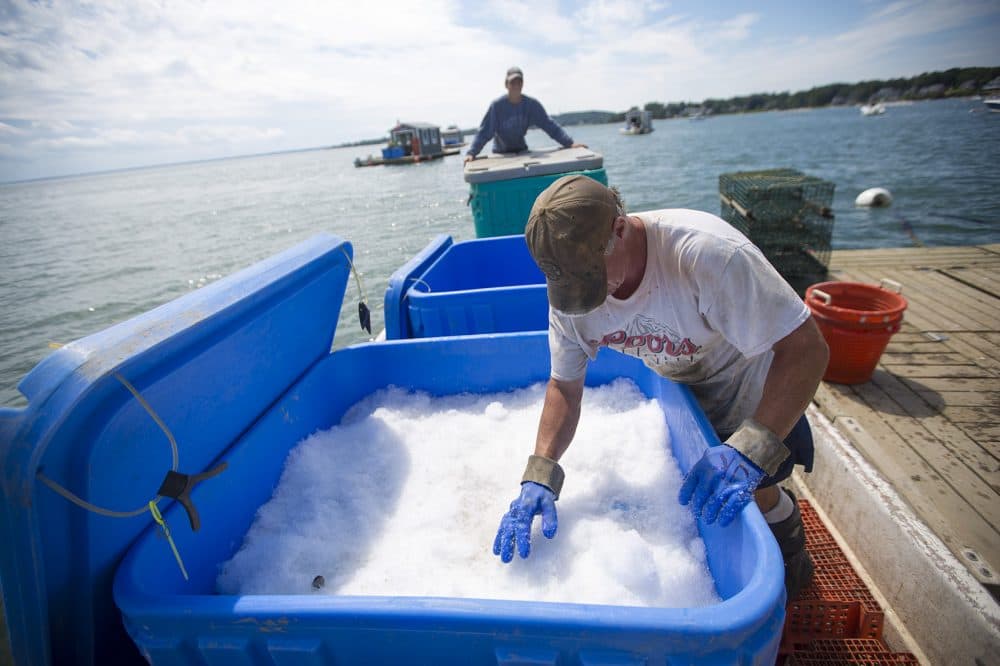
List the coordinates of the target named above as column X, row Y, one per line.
column 699, row 304
column 509, row 117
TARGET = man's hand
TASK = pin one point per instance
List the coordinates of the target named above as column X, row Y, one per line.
column 515, row 527
column 720, row 484
column 578, row 145
column 469, row 158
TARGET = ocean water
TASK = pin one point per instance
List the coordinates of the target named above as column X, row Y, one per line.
column 79, row 254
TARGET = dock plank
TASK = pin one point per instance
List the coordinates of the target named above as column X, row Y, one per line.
column 942, row 446
column 984, row 280
column 965, row 449
column 948, row 515
column 958, row 414
column 984, row 349
column 890, row 357
column 981, row 310
column 915, row 343
column 969, row 370
column 929, row 419
column 986, row 435
column 982, row 385
column 932, row 257
column 978, row 285
column 940, row 399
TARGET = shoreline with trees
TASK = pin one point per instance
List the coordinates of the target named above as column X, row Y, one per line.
column 955, row 82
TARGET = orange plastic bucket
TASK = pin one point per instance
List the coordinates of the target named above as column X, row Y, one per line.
column 857, row 321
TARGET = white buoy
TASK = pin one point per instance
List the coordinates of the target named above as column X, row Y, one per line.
column 876, row 197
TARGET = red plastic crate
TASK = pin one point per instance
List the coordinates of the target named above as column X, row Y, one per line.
column 817, row 536
column 837, row 604
column 810, row 619
column 836, row 581
column 862, row 651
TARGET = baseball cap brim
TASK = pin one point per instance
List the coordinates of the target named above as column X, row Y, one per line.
column 567, row 231
column 585, row 295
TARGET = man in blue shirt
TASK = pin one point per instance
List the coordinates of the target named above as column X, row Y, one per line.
column 509, row 117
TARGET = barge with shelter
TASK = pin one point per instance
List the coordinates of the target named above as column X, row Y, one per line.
column 410, row 143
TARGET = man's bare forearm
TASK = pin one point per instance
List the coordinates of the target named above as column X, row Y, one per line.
column 560, row 415
column 799, row 362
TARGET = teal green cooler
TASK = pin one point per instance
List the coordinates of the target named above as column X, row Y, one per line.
column 503, row 187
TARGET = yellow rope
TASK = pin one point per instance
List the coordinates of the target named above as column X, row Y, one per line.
column 166, row 532
column 149, row 506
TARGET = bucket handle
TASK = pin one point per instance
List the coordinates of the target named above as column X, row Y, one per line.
column 886, row 281
column 821, row 295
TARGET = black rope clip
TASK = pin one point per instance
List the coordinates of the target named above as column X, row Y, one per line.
column 365, row 316
column 179, row 486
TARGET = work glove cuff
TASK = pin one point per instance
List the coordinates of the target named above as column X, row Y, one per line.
column 760, row 445
column 546, row 472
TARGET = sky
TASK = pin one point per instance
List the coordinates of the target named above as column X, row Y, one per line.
column 108, row 85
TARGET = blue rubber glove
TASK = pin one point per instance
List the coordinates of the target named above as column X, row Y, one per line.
column 720, row 484
column 516, row 523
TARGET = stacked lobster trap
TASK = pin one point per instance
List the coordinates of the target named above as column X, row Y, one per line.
column 787, row 214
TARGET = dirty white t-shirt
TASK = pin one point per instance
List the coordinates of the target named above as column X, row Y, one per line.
column 706, row 314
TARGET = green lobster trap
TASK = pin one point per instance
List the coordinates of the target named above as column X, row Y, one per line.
column 787, row 214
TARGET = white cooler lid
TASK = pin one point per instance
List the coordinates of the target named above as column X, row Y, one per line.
column 531, row 163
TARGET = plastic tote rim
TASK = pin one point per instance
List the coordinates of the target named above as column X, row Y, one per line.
column 886, row 307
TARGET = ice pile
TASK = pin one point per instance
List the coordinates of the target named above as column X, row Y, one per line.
column 405, row 496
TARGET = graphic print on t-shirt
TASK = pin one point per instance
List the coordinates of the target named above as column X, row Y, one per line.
column 652, row 341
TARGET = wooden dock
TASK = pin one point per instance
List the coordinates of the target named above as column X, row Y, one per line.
column 932, row 408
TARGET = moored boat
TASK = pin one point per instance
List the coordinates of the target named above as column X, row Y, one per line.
column 453, row 137
column 637, row 122
column 410, row 143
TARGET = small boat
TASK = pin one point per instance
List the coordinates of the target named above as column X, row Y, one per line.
column 876, row 109
column 637, row 122
column 409, row 143
column 453, row 137
column 992, row 103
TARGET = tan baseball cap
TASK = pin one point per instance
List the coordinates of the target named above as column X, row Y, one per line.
column 568, row 228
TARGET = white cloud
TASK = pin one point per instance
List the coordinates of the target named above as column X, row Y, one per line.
column 738, row 28
column 227, row 78
column 189, row 135
column 10, row 129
